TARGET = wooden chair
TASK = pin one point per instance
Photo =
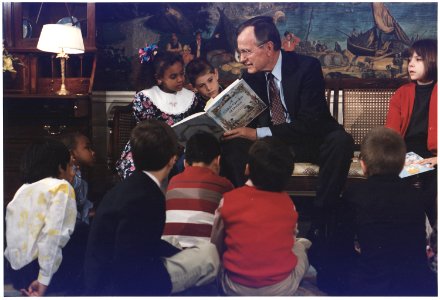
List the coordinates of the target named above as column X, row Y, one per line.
column 364, row 109
column 121, row 124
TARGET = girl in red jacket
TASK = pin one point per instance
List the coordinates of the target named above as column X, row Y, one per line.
column 413, row 113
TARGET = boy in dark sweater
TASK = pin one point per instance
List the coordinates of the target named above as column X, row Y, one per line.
column 386, row 218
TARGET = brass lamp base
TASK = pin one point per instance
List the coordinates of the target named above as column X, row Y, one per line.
column 63, row 91
column 63, row 57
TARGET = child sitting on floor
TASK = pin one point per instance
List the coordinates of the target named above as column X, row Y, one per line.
column 40, row 219
column 385, row 217
column 83, row 156
column 256, row 225
column 194, row 195
column 125, row 253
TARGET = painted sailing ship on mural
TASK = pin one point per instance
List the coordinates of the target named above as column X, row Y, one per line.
column 375, row 53
column 373, row 41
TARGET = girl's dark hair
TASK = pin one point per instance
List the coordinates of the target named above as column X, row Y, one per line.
column 264, row 29
column 153, row 144
column 270, row 164
column 427, row 49
column 42, row 159
column 164, row 60
column 150, row 71
column 196, row 68
column 202, row 147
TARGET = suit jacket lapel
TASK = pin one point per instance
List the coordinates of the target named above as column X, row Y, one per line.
column 289, row 68
column 261, row 86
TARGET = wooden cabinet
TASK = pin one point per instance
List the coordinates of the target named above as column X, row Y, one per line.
column 23, row 22
column 26, row 118
column 40, row 72
column 31, row 108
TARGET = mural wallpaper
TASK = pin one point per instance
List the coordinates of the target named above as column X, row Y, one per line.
column 352, row 40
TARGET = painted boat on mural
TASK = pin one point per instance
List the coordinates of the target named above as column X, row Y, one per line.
column 370, row 42
column 364, row 44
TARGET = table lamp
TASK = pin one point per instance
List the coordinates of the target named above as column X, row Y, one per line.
column 62, row 40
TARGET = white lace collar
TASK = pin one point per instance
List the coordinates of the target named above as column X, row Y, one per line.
column 170, row 103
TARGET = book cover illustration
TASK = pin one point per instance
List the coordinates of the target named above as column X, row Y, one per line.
column 236, row 106
column 411, row 166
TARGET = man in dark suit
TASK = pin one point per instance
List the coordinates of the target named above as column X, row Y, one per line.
column 125, row 253
column 198, row 46
column 293, row 87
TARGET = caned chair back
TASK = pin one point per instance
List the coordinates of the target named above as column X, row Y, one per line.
column 364, row 109
column 120, row 129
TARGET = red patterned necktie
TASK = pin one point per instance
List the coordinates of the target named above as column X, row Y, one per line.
column 276, row 107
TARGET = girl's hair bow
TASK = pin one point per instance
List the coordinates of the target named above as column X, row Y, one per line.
column 147, row 53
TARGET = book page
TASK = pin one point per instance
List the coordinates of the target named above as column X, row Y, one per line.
column 188, row 118
column 236, row 106
column 412, row 167
column 196, row 123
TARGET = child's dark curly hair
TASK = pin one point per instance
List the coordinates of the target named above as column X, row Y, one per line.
column 42, row 159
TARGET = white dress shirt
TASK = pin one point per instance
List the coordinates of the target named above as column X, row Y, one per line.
column 265, row 131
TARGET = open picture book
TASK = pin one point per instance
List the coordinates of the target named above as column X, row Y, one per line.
column 236, row 106
column 412, row 167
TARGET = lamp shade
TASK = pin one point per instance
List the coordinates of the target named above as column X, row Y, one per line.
column 59, row 38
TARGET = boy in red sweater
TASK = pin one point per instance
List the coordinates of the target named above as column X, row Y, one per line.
column 255, row 228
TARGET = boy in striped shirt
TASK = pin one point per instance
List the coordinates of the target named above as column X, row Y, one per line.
column 193, row 195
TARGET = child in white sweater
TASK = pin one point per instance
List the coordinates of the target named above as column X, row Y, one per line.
column 41, row 217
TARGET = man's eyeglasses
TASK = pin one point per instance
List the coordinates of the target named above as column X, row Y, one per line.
column 245, row 52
